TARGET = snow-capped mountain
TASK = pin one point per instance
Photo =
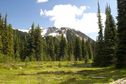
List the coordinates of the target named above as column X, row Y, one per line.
column 67, row 32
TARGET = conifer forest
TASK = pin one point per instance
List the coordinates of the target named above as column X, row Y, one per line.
column 65, row 55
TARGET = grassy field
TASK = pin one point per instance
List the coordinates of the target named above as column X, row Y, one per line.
column 57, row 73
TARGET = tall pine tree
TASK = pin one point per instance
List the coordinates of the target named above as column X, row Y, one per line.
column 110, row 39
column 50, row 47
column 70, row 51
column 62, row 48
column 1, row 31
column 38, row 43
column 77, row 49
column 121, row 48
column 10, row 41
column 16, row 45
column 84, row 56
column 4, row 36
column 98, row 59
column 31, row 44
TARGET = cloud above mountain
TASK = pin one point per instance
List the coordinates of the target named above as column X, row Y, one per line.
column 42, row 1
column 74, row 17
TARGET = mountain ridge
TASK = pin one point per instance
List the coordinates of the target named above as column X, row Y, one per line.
column 53, row 31
column 66, row 31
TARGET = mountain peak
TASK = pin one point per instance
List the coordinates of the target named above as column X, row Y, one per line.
column 53, row 31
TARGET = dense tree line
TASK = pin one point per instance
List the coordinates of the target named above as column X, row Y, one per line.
column 16, row 45
column 105, row 50
column 121, row 41
column 110, row 48
column 106, row 42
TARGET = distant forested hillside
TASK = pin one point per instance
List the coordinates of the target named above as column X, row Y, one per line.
column 16, row 45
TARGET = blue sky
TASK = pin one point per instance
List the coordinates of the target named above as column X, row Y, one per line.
column 22, row 13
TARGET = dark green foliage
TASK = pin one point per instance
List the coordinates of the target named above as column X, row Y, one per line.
column 98, row 59
column 44, row 51
column 1, row 45
column 84, row 55
column 109, row 39
column 34, row 43
column 77, row 49
column 62, row 48
column 38, row 43
column 105, row 47
column 4, row 36
column 20, row 41
column 56, row 47
column 50, row 47
column 16, row 46
column 121, row 48
column 100, row 37
column 22, row 46
column 89, row 49
column 70, row 50
column 10, row 51
column 30, row 44
column 1, row 23
column 70, row 45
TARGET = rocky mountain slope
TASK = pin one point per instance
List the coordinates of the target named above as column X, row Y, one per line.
column 67, row 32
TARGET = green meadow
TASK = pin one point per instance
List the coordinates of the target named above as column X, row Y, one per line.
column 55, row 72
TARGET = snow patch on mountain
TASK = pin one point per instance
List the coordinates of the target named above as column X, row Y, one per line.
column 44, row 31
column 53, row 34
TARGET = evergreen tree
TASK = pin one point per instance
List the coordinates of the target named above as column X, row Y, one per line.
column 10, row 41
column 30, row 44
column 71, row 37
column 50, row 47
column 70, row 51
column 56, row 47
column 84, row 50
column 89, row 49
column 1, row 45
column 16, row 46
column 98, row 59
column 77, row 49
column 38, row 43
column 20, row 43
column 1, row 30
column 44, row 47
column 110, row 39
column 121, row 46
column 4, row 36
column 62, row 48
column 23, row 48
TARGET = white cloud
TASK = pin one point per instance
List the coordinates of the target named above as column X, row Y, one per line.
column 73, row 17
column 42, row 1
column 41, row 12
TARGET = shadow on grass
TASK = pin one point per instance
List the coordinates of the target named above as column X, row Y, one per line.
column 76, row 65
column 81, row 72
column 97, row 73
column 81, row 65
column 75, row 81
column 96, row 76
column 90, row 76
